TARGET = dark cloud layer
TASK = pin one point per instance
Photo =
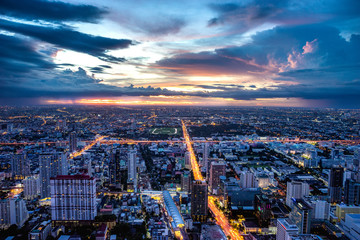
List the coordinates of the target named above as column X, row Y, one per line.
column 50, row 11
column 67, row 38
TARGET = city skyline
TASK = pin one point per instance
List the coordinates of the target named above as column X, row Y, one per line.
column 213, row 53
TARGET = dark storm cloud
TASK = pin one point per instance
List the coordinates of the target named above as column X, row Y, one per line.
column 67, row 38
column 50, row 11
column 19, row 56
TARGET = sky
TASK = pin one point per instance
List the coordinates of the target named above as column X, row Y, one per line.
column 286, row 53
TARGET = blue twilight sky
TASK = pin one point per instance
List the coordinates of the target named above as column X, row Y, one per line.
column 252, row 53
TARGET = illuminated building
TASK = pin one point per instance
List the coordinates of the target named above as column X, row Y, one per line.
column 301, row 215
column 12, row 211
column 352, row 192
column 31, row 187
column 114, row 169
column 199, row 201
column 296, row 190
column 186, row 181
column 51, row 165
column 73, row 198
column 262, row 209
column 285, row 228
column 72, row 142
column 217, row 169
column 132, row 174
column 20, row 166
column 40, row 231
column 335, row 184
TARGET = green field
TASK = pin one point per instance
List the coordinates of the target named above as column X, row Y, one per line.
column 165, row 131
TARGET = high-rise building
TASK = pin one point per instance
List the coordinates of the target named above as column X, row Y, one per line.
column 301, row 215
column 132, row 173
column 31, row 187
column 186, row 181
column 72, row 142
column 12, row 211
column 199, row 201
column 352, row 192
column 51, row 165
column 20, row 166
column 247, row 179
column 206, row 152
column 217, row 169
column 335, row 184
column 262, row 209
column 296, row 190
column 73, row 198
column 285, row 228
column 187, row 160
column 114, row 169
column 321, row 209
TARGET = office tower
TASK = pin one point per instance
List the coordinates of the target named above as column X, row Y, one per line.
column 247, row 179
column 321, row 209
column 72, row 142
column 262, row 209
column 217, row 169
column 296, row 190
column 12, row 211
column 187, row 160
column 114, row 169
column 51, row 165
column 31, row 187
column 335, row 184
column 206, row 152
column 352, row 192
column 199, row 201
column 73, row 198
column 132, row 175
column 301, row 215
column 285, row 228
column 186, row 181
column 20, row 166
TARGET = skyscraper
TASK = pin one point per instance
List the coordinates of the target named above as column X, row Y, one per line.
column 351, row 192
column 132, row 174
column 217, row 169
column 73, row 198
column 206, row 152
column 20, row 166
column 12, row 211
column 51, row 165
column 335, row 184
column 31, row 187
column 263, row 209
column 186, row 181
column 72, row 142
column 301, row 215
column 296, row 190
column 285, row 228
column 114, row 168
column 199, row 201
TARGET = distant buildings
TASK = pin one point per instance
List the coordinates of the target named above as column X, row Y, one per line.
column 335, row 184
column 73, row 198
column 296, row 190
column 199, row 201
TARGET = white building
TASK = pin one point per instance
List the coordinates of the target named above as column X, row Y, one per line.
column 73, row 198
column 296, row 190
column 351, row 226
column 13, row 211
column 321, row 209
column 247, row 180
column 285, row 228
column 132, row 175
column 31, row 187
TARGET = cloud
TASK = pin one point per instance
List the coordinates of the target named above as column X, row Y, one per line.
column 64, row 37
column 51, row 11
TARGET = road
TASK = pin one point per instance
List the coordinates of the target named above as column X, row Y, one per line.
column 218, row 215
